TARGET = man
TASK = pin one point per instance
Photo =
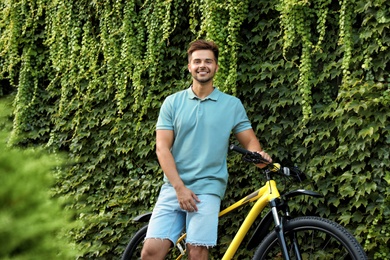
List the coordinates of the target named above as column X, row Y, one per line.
column 192, row 140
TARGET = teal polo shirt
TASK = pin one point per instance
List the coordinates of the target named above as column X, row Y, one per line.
column 202, row 128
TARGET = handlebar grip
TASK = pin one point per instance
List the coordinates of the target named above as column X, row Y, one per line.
column 239, row 149
column 248, row 155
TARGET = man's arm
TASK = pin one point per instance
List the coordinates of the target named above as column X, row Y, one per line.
column 249, row 141
column 164, row 142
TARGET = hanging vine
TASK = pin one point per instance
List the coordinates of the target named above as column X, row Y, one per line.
column 161, row 18
column 20, row 55
column 345, row 39
column 194, row 19
column 295, row 22
column 237, row 14
column 129, row 54
column 11, row 29
column 221, row 22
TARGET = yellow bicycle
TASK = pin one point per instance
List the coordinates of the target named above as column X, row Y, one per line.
column 278, row 235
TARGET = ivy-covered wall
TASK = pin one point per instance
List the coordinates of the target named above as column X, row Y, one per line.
column 89, row 78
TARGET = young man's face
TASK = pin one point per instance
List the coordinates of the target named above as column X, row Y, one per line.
column 202, row 66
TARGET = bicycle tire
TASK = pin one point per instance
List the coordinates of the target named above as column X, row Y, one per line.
column 318, row 238
column 134, row 247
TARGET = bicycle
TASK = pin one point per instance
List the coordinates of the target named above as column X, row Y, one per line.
column 278, row 235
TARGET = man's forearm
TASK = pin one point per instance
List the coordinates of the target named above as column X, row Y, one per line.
column 168, row 166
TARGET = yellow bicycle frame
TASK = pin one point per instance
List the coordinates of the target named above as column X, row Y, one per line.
column 263, row 196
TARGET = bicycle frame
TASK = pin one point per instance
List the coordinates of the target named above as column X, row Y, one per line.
column 266, row 194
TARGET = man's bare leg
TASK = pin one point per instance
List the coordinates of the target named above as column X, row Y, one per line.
column 155, row 249
column 197, row 252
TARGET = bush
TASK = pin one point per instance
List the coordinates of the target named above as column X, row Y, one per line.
column 33, row 224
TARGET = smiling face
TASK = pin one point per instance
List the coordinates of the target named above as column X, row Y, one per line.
column 203, row 66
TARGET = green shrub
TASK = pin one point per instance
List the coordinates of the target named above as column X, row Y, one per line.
column 33, row 223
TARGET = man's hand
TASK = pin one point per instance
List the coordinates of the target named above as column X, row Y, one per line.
column 266, row 157
column 187, row 199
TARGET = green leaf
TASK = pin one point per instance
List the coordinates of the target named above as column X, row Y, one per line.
column 366, row 132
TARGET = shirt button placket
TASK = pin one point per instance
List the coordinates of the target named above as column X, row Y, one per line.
column 200, row 110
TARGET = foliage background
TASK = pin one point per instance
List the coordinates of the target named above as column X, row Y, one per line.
column 89, row 78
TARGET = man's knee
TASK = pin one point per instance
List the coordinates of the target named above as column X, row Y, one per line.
column 155, row 249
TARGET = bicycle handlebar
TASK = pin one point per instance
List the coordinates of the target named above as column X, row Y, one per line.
column 256, row 158
column 249, row 156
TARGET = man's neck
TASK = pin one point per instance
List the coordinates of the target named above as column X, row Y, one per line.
column 202, row 90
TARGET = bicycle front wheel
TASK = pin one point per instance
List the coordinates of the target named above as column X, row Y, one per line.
column 312, row 238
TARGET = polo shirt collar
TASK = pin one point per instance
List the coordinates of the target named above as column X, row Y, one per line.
column 213, row 95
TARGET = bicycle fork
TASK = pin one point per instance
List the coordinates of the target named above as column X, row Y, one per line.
column 279, row 229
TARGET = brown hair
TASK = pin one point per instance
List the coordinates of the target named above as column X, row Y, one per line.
column 203, row 45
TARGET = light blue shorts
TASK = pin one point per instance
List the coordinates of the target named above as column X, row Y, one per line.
column 169, row 220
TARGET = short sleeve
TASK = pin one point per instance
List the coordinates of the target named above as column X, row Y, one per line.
column 165, row 118
column 242, row 122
